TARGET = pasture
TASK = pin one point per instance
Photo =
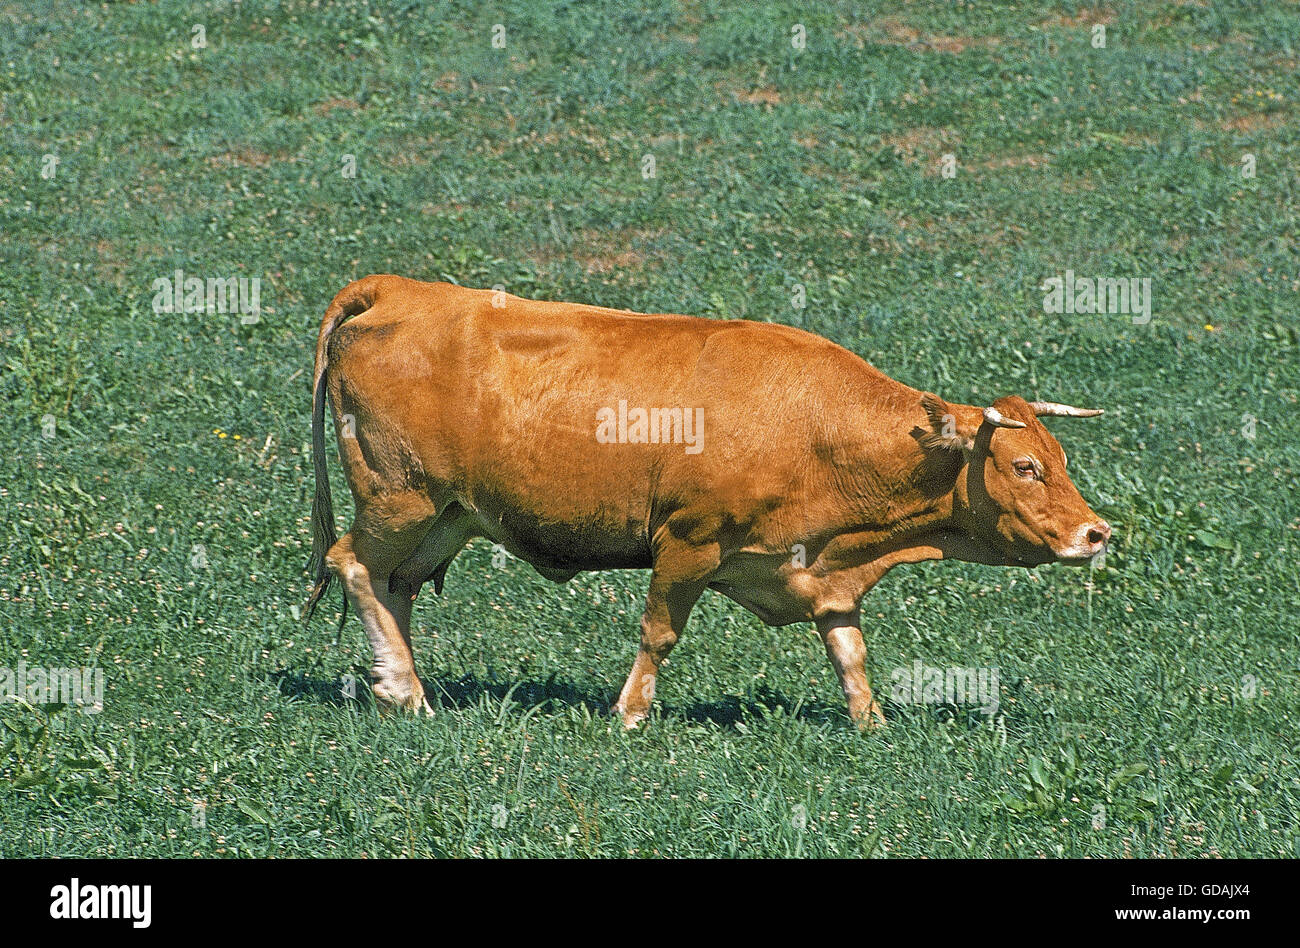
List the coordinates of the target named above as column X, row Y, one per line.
column 703, row 158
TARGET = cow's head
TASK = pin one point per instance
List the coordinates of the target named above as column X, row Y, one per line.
column 1012, row 490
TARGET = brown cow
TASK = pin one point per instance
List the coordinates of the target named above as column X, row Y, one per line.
column 755, row 459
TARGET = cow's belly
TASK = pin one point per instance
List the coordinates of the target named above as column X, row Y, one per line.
column 773, row 606
column 765, row 584
column 779, row 592
column 589, row 542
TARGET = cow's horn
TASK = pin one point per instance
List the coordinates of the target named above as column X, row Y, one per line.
column 1063, row 411
column 999, row 420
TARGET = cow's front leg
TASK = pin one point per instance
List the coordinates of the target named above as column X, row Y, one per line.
column 675, row 586
column 842, row 636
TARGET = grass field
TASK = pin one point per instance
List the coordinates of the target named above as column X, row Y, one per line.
column 153, row 507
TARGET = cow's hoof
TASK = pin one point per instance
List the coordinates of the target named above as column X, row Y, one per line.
column 871, row 718
column 631, row 718
column 402, row 694
column 874, row 719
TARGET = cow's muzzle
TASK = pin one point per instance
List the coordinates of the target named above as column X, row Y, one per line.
column 1089, row 541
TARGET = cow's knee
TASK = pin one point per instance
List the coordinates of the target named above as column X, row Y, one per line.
column 355, row 577
column 657, row 638
column 339, row 557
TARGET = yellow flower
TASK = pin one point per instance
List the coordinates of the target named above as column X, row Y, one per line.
column 1208, row 328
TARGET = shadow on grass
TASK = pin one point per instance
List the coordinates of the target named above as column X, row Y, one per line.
column 299, row 685
column 554, row 693
column 906, row 715
column 1012, row 713
column 760, row 704
column 469, row 691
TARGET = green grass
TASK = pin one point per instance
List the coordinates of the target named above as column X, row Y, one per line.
column 1129, row 725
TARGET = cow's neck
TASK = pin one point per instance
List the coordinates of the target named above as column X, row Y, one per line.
column 899, row 494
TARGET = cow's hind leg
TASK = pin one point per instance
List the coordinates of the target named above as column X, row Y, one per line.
column 364, row 567
column 842, row 637
column 675, row 586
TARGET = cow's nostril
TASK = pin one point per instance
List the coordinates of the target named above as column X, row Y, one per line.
column 1099, row 533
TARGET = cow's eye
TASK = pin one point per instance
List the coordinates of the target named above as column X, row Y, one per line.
column 1024, row 468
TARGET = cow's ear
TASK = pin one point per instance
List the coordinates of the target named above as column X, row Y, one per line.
column 949, row 427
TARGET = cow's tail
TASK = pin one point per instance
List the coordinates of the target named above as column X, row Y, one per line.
column 353, row 299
